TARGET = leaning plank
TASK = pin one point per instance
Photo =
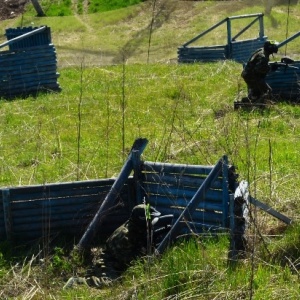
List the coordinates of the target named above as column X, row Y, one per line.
column 270, row 210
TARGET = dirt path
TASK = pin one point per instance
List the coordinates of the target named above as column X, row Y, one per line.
column 82, row 18
column 11, row 8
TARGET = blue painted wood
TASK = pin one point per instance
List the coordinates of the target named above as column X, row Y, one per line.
column 27, row 37
column 176, row 168
column 33, row 212
column 242, row 50
column 63, row 189
column 172, row 193
column 180, row 180
column 136, row 160
column 270, row 210
column 289, row 39
column 225, row 193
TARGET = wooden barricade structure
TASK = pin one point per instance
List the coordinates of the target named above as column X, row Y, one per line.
column 30, row 64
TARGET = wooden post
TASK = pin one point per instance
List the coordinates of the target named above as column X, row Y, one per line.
column 137, row 176
column 225, row 192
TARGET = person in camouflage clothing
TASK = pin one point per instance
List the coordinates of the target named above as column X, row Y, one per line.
column 132, row 239
column 135, row 238
column 256, row 69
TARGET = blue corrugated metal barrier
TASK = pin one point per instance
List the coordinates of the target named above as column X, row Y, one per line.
column 285, row 81
column 200, row 197
column 238, row 50
column 30, row 64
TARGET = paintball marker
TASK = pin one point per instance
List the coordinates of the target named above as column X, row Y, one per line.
column 284, row 62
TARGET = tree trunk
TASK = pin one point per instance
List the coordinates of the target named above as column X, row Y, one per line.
column 38, row 8
column 268, row 6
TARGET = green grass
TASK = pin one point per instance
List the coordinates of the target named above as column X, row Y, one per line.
column 62, row 8
column 186, row 113
column 107, row 5
column 201, row 127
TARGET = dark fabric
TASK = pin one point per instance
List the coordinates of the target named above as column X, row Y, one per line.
column 255, row 72
column 129, row 241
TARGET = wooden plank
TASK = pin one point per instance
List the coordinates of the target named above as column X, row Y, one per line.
column 61, row 219
column 58, row 187
column 18, row 56
column 180, row 203
column 225, row 193
column 39, row 38
column 201, row 228
column 13, row 72
column 61, row 191
column 23, row 36
column 139, row 145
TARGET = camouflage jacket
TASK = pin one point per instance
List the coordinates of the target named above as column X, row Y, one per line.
column 127, row 243
column 257, row 66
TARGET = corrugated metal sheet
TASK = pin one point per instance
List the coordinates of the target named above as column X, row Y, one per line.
column 38, row 39
column 30, row 64
column 32, row 212
column 171, row 187
column 285, row 81
column 240, row 51
column 197, row 54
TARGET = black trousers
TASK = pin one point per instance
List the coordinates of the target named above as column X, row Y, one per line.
column 257, row 87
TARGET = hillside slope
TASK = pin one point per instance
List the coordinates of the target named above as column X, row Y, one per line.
column 152, row 33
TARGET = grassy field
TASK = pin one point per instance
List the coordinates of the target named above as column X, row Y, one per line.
column 119, row 84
